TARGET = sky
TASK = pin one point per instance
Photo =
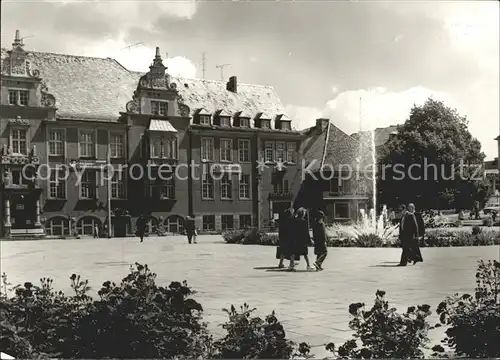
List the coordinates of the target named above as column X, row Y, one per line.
column 354, row 62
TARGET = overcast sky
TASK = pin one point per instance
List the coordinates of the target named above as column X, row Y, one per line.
column 320, row 56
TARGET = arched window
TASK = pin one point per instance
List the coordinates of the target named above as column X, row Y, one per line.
column 174, row 224
column 57, row 226
column 86, row 225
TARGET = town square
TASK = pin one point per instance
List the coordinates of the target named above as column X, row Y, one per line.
column 248, row 179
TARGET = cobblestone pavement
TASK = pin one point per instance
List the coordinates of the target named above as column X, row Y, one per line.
column 311, row 305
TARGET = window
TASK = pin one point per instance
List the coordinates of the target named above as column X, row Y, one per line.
column 118, row 186
column 87, row 144
column 245, row 221
column 268, row 151
column 244, row 122
column 207, row 187
column 87, row 224
column 175, row 224
column 57, row 226
column 280, row 186
column 158, row 107
column 56, row 143
column 286, row 125
column 204, row 119
column 335, row 186
column 88, row 185
column 347, row 186
column 244, row 150
column 265, row 124
column 209, row 222
column 226, row 150
column 227, row 222
column 226, row 187
column 163, row 148
column 245, row 187
column 18, row 178
column 280, row 151
column 341, row 210
column 18, row 97
column 57, row 184
column 225, row 121
column 291, row 151
column 19, row 141
column 117, row 145
column 167, row 188
column 207, row 149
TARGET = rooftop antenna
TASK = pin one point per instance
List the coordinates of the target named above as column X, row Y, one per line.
column 131, row 46
column 221, row 67
column 25, row 37
column 203, row 62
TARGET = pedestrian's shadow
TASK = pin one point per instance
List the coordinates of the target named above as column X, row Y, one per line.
column 286, row 270
column 386, row 264
column 267, row 268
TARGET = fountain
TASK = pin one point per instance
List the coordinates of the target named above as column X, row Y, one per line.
column 368, row 223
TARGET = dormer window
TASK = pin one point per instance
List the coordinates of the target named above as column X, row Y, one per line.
column 159, row 107
column 265, row 124
column 225, row 121
column 18, row 97
column 204, row 120
column 286, row 125
column 245, row 122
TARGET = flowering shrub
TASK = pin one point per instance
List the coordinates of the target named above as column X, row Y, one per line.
column 474, row 321
column 136, row 319
column 382, row 332
column 253, row 337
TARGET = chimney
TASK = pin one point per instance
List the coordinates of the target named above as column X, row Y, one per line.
column 17, row 41
column 322, row 124
column 232, row 84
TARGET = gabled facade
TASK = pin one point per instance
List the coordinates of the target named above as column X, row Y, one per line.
column 338, row 176
column 150, row 134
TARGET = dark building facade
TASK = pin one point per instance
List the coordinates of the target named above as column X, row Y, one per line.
column 338, row 178
column 92, row 132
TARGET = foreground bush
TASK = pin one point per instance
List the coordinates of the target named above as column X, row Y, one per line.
column 382, row 332
column 136, row 319
column 252, row 337
column 474, row 321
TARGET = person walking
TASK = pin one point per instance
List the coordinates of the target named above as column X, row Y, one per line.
column 409, row 234
column 319, row 238
column 301, row 239
column 285, row 235
column 141, row 227
column 190, row 227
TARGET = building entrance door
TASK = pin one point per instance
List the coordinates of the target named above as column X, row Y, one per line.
column 23, row 212
column 278, row 207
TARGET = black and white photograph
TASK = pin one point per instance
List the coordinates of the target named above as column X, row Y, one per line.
column 249, row 179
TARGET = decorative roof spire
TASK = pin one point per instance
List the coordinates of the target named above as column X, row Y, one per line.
column 18, row 41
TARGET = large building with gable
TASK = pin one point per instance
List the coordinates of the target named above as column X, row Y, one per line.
column 64, row 118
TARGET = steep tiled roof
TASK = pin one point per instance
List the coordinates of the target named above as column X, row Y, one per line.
column 332, row 148
column 382, row 135
column 98, row 89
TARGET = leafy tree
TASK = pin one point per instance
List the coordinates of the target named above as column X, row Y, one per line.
column 433, row 162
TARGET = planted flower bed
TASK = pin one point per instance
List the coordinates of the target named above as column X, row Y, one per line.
column 440, row 237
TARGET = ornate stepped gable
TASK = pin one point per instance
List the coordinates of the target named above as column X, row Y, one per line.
column 16, row 63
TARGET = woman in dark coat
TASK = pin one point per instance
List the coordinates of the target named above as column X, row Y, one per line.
column 319, row 236
column 285, row 231
column 301, row 239
column 409, row 233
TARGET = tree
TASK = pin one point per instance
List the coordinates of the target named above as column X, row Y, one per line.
column 433, row 162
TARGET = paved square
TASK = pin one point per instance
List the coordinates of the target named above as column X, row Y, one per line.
column 312, row 306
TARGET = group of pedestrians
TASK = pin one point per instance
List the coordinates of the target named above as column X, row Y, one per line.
column 189, row 227
column 294, row 238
